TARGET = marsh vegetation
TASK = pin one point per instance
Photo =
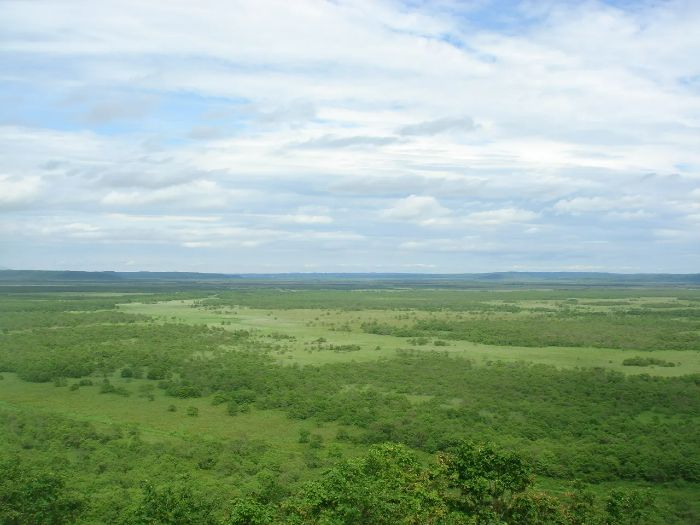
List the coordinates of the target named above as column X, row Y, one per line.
column 351, row 406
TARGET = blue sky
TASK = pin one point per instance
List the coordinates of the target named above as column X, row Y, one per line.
column 366, row 136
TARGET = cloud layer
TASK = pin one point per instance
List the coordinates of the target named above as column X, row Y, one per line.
column 350, row 136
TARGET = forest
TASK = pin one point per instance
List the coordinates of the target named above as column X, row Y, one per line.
column 294, row 403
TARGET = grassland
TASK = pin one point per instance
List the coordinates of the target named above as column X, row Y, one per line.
column 343, row 327
column 153, row 417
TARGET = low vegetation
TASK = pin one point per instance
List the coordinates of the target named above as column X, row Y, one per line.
column 333, row 406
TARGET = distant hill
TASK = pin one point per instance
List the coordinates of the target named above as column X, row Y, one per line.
column 344, row 280
column 499, row 277
column 50, row 276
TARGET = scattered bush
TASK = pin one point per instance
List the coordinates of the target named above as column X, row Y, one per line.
column 647, row 361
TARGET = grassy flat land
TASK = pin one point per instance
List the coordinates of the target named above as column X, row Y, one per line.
column 153, row 418
column 307, row 325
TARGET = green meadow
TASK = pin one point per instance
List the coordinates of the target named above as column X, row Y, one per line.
column 339, row 327
column 153, row 418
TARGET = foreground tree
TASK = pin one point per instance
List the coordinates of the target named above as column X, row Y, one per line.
column 174, row 504
column 484, row 482
column 470, row 483
column 30, row 494
column 387, row 486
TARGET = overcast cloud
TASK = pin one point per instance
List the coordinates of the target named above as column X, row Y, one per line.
column 269, row 136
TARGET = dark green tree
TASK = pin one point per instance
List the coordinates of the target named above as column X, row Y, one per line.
column 484, row 480
column 248, row 511
column 387, row 486
column 174, row 504
column 31, row 495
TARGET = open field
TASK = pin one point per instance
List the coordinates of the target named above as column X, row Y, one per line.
column 340, row 327
column 153, row 418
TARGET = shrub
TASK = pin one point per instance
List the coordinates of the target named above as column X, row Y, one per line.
column 646, row 361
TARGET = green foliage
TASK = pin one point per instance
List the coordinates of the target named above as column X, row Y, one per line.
column 485, row 480
column 316, row 441
column 109, row 475
column 156, row 372
column 465, row 300
column 248, row 511
column 181, row 389
column 646, row 361
column 470, row 484
column 387, row 486
column 32, row 494
column 219, row 398
column 651, row 331
column 173, row 504
column 537, row 508
column 108, row 388
column 630, row 508
column 590, row 424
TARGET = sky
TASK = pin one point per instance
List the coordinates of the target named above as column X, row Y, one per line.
column 350, row 136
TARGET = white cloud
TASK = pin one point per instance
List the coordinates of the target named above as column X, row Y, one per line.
column 501, row 216
column 466, row 244
column 286, row 118
column 357, row 141
column 582, row 205
column 422, row 209
column 306, row 219
column 677, row 235
column 630, row 215
column 442, row 125
column 203, row 194
column 427, row 211
column 15, row 191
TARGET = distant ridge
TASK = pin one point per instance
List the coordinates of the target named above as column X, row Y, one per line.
column 47, row 276
column 475, row 280
column 36, row 277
